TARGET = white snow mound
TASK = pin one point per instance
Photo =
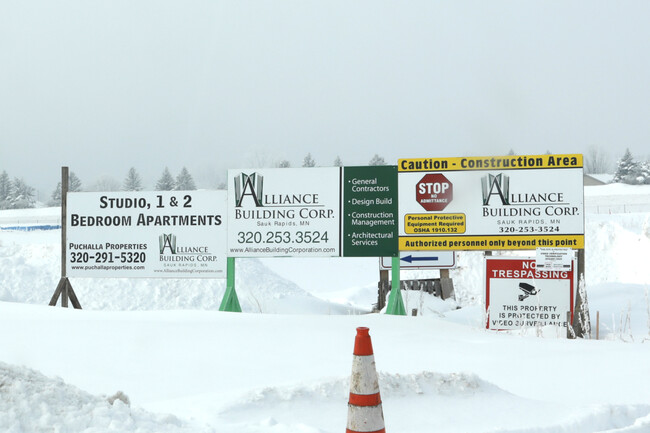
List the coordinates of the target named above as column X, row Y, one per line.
column 32, row 403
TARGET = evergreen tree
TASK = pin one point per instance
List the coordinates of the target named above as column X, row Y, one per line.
column 166, row 181
column 184, row 181
column 5, row 190
column 22, row 195
column 338, row 162
column 644, row 173
column 133, row 182
column 627, row 169
column 377, row 160
column 74, row 183
column 284, row 164
column 308, row 161
column 512, row 152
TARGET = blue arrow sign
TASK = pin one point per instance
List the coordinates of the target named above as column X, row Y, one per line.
column 410, row 259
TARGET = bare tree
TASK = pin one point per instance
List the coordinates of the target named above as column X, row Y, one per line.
column 596, row 161
column 259, row 158
column 105, row 183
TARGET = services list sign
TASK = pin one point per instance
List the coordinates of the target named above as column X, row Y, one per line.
column 161, row 234
column 370, row 211
column 518, row 295
column 491, row 203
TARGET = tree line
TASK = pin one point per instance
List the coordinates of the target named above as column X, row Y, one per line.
column 17, row 194
column 308, row 161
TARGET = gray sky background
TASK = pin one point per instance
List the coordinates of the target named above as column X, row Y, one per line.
column 101, row 86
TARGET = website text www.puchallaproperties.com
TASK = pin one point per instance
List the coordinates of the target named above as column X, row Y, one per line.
column 108, row 268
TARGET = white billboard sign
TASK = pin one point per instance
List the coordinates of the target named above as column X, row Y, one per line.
column 153, row 234
column 284, row 212
column 491, row 203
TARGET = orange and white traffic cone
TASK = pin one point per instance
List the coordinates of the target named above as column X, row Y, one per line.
column 365, row 414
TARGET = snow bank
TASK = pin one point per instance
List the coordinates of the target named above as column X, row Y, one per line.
column 31, row 270
column 31, row 402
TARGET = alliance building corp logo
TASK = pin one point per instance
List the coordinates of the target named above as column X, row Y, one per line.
column 166, row 241
column 249, row 185
column 498, row 185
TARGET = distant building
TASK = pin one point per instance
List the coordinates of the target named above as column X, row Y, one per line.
column 592, row 181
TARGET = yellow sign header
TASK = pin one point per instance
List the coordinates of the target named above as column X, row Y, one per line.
column 511, row 162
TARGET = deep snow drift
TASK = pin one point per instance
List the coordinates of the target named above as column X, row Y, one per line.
column 187, row 367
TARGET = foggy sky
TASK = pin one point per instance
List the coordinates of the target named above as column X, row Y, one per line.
column 102, row 86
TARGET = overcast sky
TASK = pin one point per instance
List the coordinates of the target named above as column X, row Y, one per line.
column 102, row 86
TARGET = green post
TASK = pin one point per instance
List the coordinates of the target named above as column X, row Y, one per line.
column 395, row 303
column 230, row 301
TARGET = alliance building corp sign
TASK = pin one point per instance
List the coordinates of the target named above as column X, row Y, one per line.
column 491, row 203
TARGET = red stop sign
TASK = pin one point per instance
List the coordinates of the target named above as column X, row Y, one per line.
column 434, row 192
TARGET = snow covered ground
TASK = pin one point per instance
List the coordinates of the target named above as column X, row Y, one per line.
column 284, row 364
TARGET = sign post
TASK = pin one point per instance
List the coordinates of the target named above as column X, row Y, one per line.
column 230, row 302
column 64, row 288
column 395, row 304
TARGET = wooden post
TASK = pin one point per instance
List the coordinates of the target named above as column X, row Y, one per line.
column 64, row 288
column 64, row 218
column 597, row 325
column 382, row 289
column 579, row 317
column 446, row 285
